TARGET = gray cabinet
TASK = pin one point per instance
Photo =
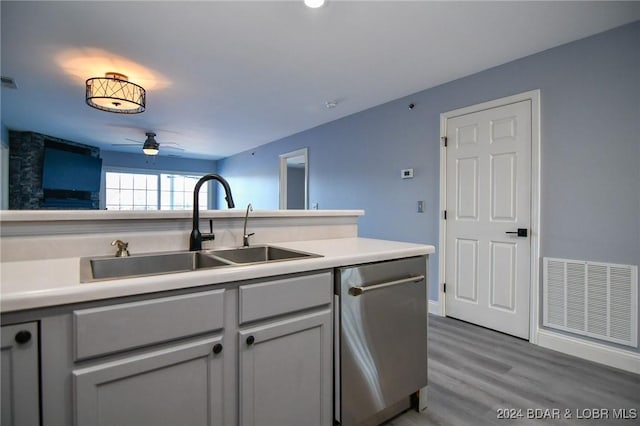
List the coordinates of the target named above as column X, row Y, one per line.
column 179, row 358
column 20, row 371
column 179, row 385
column 161, row 372
column 285, row 352
column 285, row 372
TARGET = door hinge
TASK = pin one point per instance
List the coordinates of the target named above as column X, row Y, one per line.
column 444, row 287
column 444, row 141
column 444, row 214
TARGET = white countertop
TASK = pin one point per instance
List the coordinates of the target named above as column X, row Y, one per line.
column 41, row 283
column 9, row 216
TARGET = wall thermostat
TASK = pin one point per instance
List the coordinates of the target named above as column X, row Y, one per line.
column 406, row 173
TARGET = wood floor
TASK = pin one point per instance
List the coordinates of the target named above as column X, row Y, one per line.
column 475, row 372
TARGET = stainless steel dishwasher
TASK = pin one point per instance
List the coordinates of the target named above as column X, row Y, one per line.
column 381, row 339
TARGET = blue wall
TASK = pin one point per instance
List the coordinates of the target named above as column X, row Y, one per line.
column 253, row 176
column 590, row 118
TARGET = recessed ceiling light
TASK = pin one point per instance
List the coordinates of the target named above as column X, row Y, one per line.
column 331, row 104
column 314, row 4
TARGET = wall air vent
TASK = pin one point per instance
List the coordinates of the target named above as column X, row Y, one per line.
column 8, row 82
column 598, row 300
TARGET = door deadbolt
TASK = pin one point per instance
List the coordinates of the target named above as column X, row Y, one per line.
column 521, row 232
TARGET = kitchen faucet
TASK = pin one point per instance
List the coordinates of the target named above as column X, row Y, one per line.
column 245, row 236
column 195, row 240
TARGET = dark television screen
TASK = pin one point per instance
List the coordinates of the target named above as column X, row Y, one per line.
column 70, row 171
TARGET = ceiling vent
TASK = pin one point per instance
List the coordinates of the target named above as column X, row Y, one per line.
column 8, row 82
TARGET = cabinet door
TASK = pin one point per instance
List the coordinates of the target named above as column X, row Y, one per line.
column 286, row 371
column 20, row 389
column 180, row 385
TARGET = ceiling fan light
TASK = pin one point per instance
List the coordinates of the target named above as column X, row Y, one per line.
column 151, row 146
column 115, row 93
column 150, row 151
column 314, row 4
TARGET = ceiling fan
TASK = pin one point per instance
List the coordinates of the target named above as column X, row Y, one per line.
column 150, row 146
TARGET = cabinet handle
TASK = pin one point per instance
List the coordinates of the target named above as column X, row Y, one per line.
column 217, row 348
column 250, row 340
column 23, row 337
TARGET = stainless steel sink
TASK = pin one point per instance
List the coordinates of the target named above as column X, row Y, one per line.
column 260, row 254
column 101, row 268
column 105, row 268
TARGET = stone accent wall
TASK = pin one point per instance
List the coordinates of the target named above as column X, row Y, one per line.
column 26, row 156
column 25, row 171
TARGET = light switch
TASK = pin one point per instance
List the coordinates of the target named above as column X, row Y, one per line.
column 406, row 173
column 420, row 206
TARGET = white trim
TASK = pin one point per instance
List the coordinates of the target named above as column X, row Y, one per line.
column 443, row 224
column 534, row 299
column 283, row 176
column 596, row 352
column 434, row 308
column 534, row 97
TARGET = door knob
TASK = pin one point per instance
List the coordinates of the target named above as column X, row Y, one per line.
column 23, row 337
column 521, row 232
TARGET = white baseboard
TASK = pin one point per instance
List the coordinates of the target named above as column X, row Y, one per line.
column 434, row 308
column 613, row 357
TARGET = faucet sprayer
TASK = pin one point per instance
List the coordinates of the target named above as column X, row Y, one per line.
column 245, row 236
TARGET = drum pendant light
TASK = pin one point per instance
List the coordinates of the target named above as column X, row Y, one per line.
column 115, row 93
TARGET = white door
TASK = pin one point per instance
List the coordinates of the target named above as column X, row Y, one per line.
column 488, row 198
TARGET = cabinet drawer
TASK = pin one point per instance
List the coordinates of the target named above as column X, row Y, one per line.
column 115, row 328
column 264, row 300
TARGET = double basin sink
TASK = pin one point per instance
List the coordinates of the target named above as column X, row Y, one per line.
column 104, row 268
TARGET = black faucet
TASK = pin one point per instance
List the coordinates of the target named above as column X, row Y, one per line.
column 195, row 241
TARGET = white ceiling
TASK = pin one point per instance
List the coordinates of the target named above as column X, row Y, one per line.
column 224, row 77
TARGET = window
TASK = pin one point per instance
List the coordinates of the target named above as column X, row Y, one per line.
column 177, row 192
column 152, row 191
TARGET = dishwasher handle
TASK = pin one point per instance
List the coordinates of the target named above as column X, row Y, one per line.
column 357, row 291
